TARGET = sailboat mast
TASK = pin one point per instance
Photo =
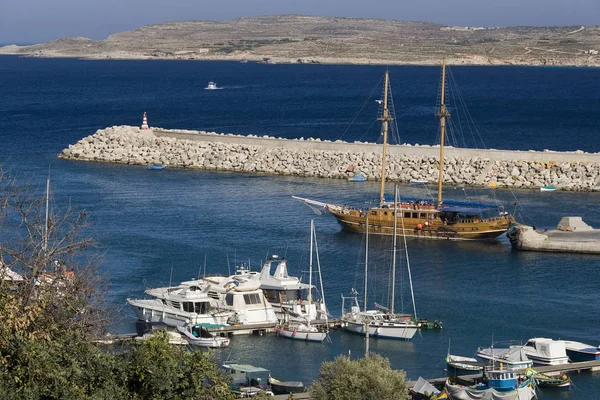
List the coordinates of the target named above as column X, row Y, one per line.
column 321, row 282
column 310, row 265
column 384, row 129
column 442, row 116
column 45, row 239
column 394, row 251
column 366, row 258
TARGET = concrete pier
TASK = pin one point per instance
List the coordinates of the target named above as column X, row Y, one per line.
column 571, row 235
column 576, row 171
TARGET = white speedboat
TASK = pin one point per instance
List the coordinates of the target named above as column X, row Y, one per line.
column 543, row 351
column 199, row 335
column 216, row 300
column 211, row 86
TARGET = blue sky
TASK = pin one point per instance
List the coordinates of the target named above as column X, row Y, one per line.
column 32, row 21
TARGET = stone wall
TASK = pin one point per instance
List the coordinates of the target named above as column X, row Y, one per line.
column 315, row 158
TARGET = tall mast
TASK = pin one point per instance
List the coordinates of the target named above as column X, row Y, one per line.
column 384, row 129
column 320, row 280
column 312, row 229
column 394, row 252
column 45, row 239
column 366, row 258
column 442, row 116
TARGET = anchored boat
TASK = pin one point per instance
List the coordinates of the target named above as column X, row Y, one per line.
column 423, row 218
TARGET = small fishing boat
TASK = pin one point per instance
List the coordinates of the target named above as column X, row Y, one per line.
column 491, row 185
column 199, row 335
column 459, row 365
column 498, row 384
column 548, row 188
column 418, row 182
column 357, row 178
column 156, row 166
column 541, row 380
column 285, row 387
column 248, row 380
column 577, row 351
column 512, row 357
column 211, row 86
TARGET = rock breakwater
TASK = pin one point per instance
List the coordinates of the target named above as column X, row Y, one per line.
column 338, row 160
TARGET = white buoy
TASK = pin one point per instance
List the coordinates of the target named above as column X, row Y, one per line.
column 145, row 122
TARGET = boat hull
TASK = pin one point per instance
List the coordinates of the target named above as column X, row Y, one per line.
column 383, row 224
column 577, row 356
column 386, row 331
column 298, row 334
column 286, row 387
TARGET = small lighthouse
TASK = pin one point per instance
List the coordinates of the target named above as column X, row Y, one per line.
column 145, row 122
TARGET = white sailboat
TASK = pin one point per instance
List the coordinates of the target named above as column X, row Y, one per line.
column 375, row 322
column 305, row 330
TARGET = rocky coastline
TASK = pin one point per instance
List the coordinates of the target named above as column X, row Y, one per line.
column 335, row 160
column 304, row 39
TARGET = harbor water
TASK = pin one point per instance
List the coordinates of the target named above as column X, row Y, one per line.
column 151, row 224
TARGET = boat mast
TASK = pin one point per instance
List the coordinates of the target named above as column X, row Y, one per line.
column 442, row 116
column 310, row 265
column 321, row 283
column 366, row 258
column 384, row 129
column 412, row 293
column 45, row 239
column 394, row 251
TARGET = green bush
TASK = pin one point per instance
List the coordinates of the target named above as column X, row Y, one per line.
column 365, row 378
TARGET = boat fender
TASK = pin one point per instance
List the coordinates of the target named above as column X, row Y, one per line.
column 419, row 226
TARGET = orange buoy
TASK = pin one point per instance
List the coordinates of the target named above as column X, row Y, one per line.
column 419, row 226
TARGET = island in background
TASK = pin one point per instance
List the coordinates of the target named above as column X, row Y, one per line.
column 308, row 39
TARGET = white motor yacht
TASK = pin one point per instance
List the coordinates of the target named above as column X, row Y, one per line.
column 287, row 294
column 211, row 86
column 216, row 300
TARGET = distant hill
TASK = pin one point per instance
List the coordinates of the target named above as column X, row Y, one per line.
column 296, row 38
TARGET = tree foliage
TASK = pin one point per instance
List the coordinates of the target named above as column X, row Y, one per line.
column 365, row 378
column 53, row 309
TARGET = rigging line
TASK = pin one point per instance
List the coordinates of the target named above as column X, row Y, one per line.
column 359, row 110
column 392, row 108
column 468, row 116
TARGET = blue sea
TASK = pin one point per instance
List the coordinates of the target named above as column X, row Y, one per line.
column 149, row 223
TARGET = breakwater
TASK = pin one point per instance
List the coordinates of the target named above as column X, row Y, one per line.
column 576, row 171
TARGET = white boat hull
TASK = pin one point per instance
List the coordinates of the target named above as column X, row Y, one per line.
column 385, row 330
column 154, row 311
column 309, row 336
column 212, row 342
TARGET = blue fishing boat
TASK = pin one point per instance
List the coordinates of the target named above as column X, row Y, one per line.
column 497, row 384
column 156, row 166
column 357, row 178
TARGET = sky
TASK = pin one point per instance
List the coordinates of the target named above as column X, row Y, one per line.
column 36, row 21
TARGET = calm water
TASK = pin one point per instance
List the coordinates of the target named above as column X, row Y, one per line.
column 149, row 222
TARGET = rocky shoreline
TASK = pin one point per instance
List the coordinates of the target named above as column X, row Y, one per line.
column 292, row 39
column 341, row 160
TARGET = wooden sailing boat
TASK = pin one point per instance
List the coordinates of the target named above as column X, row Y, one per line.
column 377, row 323
column 422, row 218
column 305, row 330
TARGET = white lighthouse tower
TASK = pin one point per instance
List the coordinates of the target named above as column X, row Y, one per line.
column 145, row 122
